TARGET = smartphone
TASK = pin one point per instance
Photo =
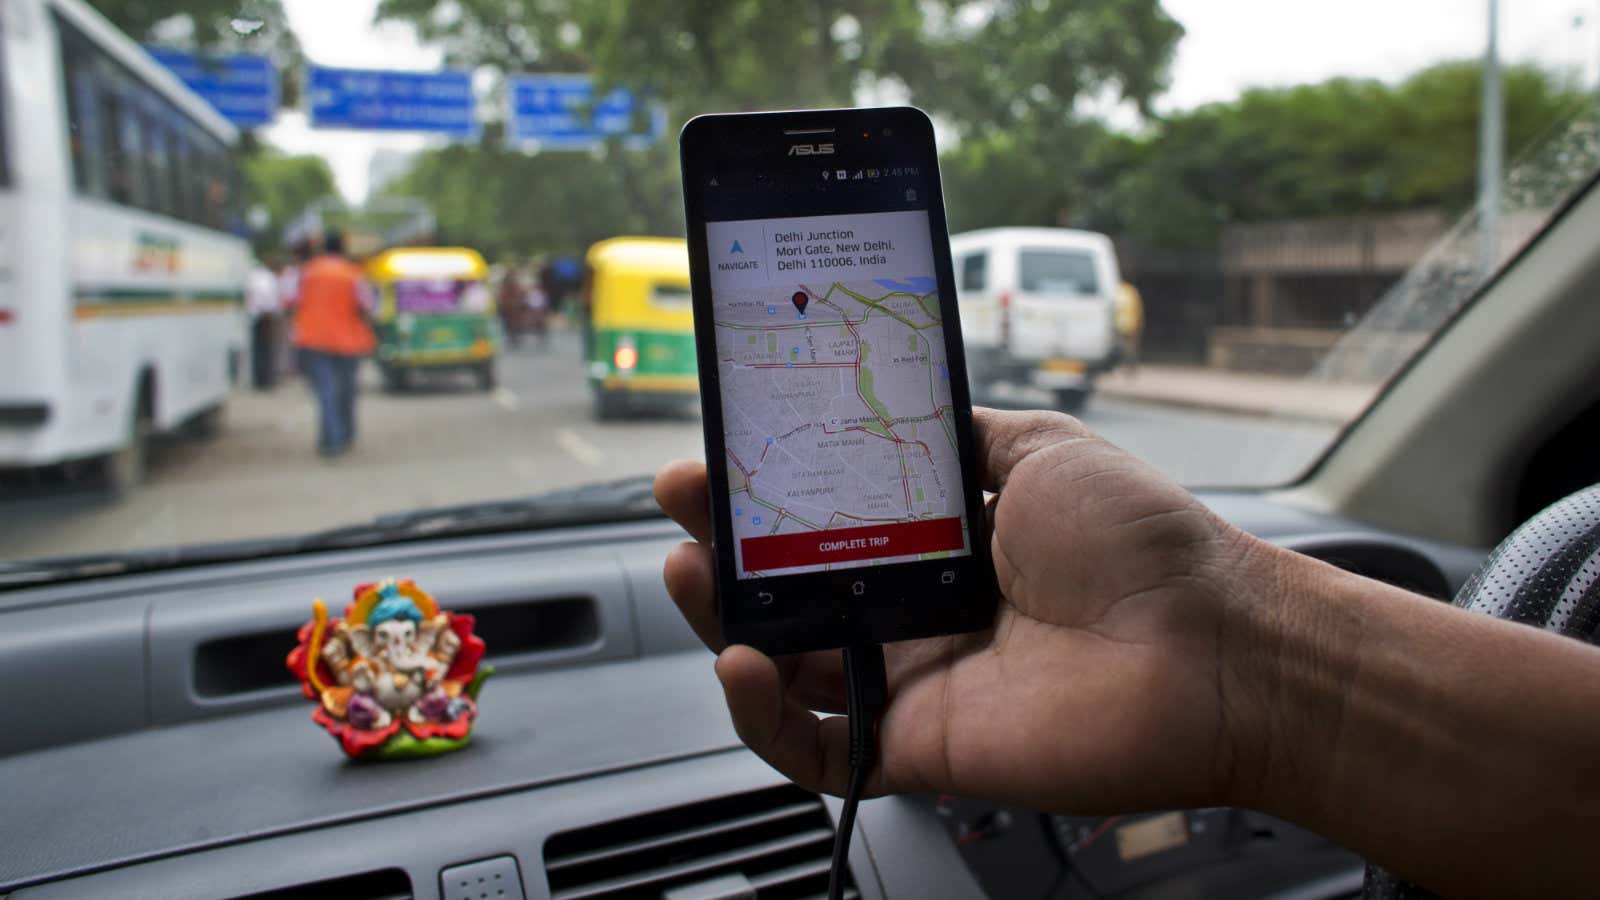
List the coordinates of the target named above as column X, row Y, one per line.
column 845, row 501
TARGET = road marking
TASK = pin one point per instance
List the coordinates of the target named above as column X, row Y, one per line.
column 581, row 450
column 506, row 398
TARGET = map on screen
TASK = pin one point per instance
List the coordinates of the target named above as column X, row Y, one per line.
column 841, row 449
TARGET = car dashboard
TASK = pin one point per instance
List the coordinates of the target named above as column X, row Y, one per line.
column 158, row 746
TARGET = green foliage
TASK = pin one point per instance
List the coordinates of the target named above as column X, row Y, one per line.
column 1007, row 76
column 1021, row 178
column 230, row 25
column 986, row 66
column 991, row 69
column 1019, row 67
column 1341, row 147
column 215, row 26
column 509, row 204
column 283, row 185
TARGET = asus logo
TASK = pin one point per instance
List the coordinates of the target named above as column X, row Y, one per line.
column 811, row 150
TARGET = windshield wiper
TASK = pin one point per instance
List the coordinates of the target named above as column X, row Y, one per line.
column 627, row 499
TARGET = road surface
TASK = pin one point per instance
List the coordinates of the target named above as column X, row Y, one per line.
column 449, row 443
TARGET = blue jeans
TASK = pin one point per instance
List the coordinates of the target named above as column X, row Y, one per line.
column 333, row 381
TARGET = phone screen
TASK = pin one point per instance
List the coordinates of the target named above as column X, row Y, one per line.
column 838, row 427
column 839, row 431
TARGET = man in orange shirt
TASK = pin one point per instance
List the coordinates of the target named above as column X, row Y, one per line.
column 332, row 335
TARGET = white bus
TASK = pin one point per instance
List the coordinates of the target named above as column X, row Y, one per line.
column 121, row 284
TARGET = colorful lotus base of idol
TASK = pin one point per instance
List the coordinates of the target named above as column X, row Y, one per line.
column 396, row 677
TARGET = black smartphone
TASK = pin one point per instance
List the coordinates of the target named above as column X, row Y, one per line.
column 845, row 500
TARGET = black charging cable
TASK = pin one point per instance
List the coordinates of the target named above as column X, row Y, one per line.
column 866, row 693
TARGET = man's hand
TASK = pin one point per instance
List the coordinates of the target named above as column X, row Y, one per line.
column 1101, row 686
column 1147, row 654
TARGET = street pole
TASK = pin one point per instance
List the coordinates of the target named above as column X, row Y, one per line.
column 1490, row 141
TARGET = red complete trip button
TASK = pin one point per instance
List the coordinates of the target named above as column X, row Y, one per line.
column 815, row 548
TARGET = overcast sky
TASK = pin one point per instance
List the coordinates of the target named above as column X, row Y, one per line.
column 1229, row 45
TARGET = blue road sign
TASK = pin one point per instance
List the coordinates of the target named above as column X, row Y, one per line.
column 243, row 87
column 562, row 111
column 439, row 102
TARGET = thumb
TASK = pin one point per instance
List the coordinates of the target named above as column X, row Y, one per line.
column 1007, row 438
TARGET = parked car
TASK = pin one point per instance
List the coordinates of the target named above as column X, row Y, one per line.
column 1037, row 307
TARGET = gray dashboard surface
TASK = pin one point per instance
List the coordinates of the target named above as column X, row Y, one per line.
column 900, row 848
column 181, row 777
column 216, row 781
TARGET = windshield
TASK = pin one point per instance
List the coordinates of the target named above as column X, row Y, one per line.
column 1056, row 271
column 275, row 268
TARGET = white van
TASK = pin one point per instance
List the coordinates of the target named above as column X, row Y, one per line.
column 1037, row 307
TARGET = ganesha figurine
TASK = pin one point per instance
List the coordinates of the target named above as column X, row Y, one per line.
column 396, row 677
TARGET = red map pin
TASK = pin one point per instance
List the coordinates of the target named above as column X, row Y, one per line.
column 801, row 298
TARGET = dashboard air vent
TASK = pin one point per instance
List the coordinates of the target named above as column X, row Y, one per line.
column 240, row 664
column 385, row 884
column 770, row 845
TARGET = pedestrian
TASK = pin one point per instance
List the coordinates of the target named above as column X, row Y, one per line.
column 509, row 304
column 537, row 303
column 1129, row 314
column 265, row 309
column 288, row 296
column 332, row 335
column 561, row 279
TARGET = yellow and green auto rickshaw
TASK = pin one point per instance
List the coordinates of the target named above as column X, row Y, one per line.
column 435, row 314
column 638, row 324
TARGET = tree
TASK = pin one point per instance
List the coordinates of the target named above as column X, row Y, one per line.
column 1032, row 177
column 510, row 204
column 1018, row 68
column 228, row 25
column 986, row 66
column 284, row 186
column 215, row 26
column 992, row 70
column 1341, row 147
